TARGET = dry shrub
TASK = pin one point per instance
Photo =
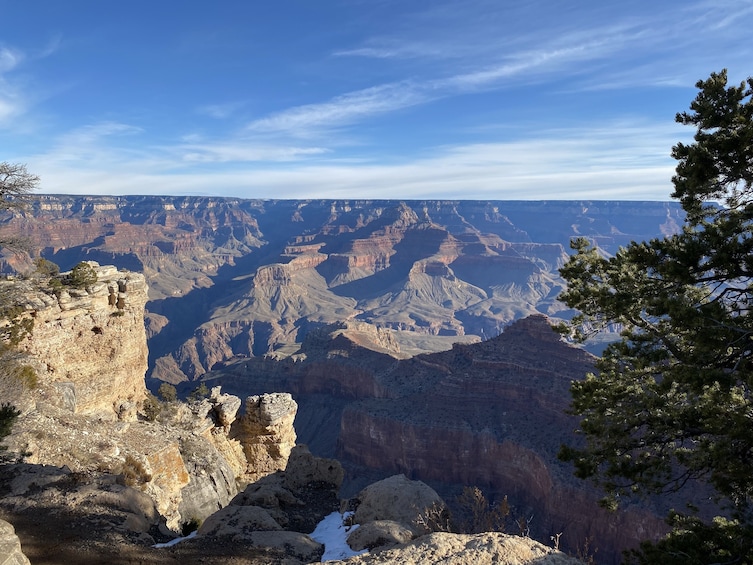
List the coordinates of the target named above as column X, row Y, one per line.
column 476, row 514
column 134, row 473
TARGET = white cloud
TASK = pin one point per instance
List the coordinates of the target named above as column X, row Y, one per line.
column 239, row 152
column 562, row 54
column 7, row 109
column 386, row 48
column 617, row 161
column 303, row 121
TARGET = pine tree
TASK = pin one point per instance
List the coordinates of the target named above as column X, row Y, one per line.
column 671, row 403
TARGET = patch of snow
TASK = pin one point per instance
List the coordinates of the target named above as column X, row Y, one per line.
column 332, row 533
column 172, row 542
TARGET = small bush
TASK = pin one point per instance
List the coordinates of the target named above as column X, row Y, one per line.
column 167, row 392
column 46, row 268
column 191, row 525
column 55, row 284
column 200, row 392
column 83, row 275
column 478, row 515
column 134, row 472
column 27, row 376
column 152, row 407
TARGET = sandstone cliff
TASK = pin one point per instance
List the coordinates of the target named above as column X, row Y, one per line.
column 87, row 411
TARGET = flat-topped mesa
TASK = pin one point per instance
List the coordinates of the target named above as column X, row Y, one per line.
column 88, row 346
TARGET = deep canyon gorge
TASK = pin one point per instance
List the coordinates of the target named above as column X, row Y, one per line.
column 414, row 336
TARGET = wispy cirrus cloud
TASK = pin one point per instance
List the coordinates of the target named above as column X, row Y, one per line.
column 310, row 119
column 305, row 120
column 11, row 100
column 385, row 48
column 225, row 152
column 9, row 59
column 16, row 97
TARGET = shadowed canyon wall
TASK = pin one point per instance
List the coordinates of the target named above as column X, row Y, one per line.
column 491, row 414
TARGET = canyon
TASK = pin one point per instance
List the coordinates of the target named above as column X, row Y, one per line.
column 491, row 414
column 104, row 473
column 247, row 278
column 414, row 337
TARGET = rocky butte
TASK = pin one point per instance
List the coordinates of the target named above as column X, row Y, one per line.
column 87, row 408
column 80, row 334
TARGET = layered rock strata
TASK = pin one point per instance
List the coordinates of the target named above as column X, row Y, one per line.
column 88, row 346
column 233, row 277
column 491, row 415
column 266, row 433
column 86, row 412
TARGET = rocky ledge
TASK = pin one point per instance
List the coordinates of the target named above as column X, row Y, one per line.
column 87, row 518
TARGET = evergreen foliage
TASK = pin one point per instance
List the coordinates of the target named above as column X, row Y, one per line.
column 199, row 393
column 82, row 275
column 45, row 267
column 671, row 405
column 167, row 392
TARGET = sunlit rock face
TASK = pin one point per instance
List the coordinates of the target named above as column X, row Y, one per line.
column 10, row 547
column 266, row 433
column 88, row 346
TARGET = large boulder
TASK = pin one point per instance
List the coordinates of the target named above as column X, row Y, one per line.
column 225, row 407
column 266, row 433
column 212, row 480
column 292, row 544
column 238, row 522
column 411, row 503
column 267, row 492
column 304, row 469
column 379, row 533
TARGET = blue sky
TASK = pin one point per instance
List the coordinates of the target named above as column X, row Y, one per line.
column 426, row 99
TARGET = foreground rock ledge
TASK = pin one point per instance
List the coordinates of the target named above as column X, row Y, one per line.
column 456, row 549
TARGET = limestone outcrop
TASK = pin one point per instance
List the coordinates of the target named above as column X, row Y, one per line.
column 266, row 433
column 185, row 460
column 273, row 512
column 88, row 346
